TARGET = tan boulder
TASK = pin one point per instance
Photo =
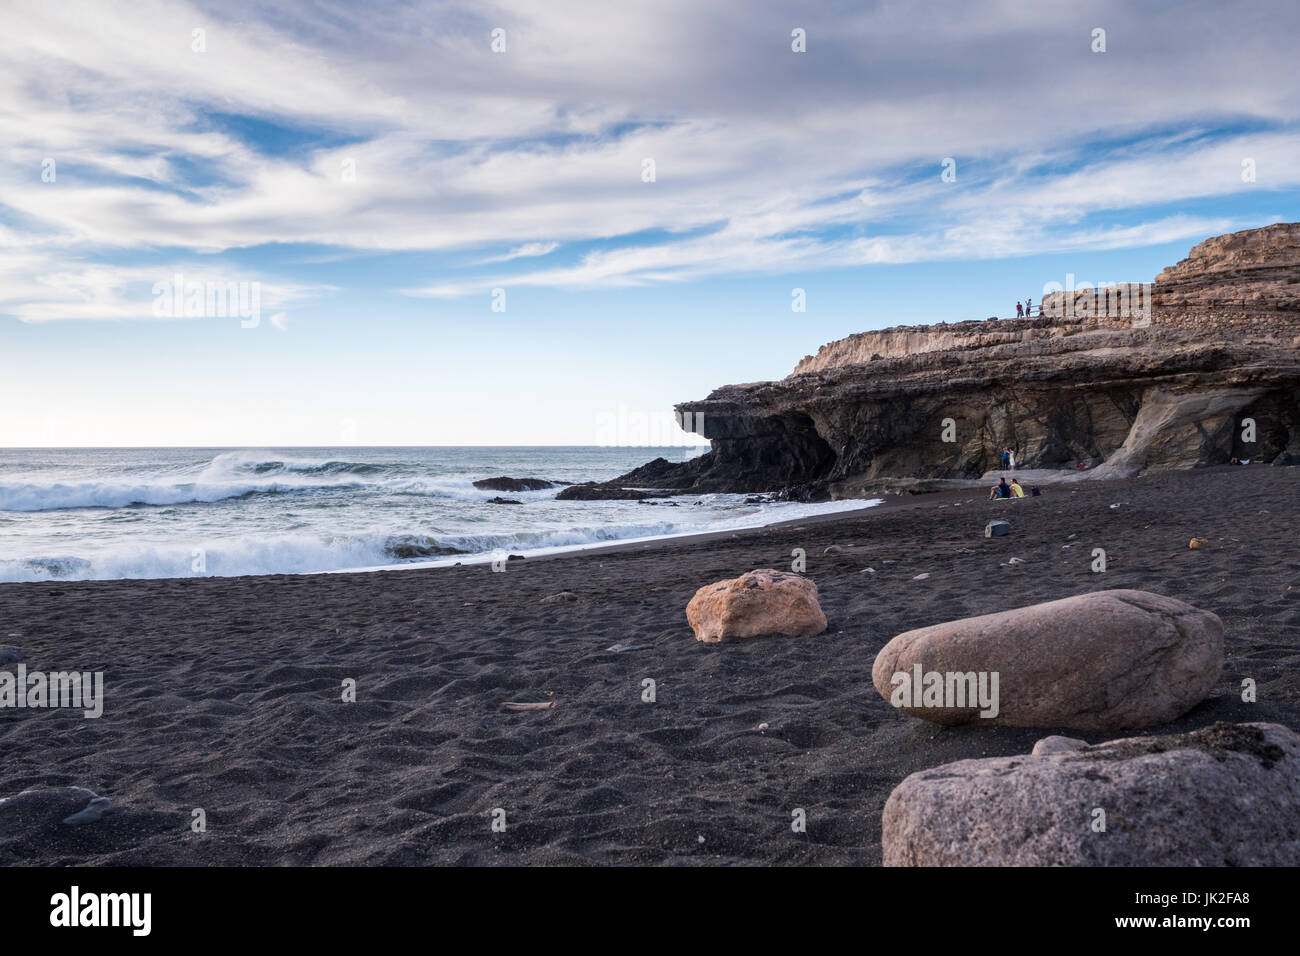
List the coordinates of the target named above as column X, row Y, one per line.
column 759, row 602
column 1099, row 661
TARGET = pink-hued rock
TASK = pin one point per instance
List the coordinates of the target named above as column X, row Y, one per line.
column 759, row 602
column 1099, row 661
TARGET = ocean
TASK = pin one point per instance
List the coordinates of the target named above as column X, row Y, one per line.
column 94, row 514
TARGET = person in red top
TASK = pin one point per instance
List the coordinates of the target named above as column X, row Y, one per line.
column 1020, row 311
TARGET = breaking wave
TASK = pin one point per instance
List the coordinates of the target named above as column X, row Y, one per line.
column 304, row 554
column 234, row 475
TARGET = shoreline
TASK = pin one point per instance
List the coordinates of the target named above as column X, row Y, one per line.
column 224, row 693
column 560, row 551
column 891, row 500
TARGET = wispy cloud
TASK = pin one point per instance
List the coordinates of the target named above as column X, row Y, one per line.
column 528, row 250
column 764, row 159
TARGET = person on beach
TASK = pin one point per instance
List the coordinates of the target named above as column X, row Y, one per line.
column 1011, row 460
column 1020, row 311
column 1000, row 490
column 1016, row 490
column 1006, row 457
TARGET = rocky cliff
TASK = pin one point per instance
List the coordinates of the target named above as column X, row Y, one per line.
column 1205, row 368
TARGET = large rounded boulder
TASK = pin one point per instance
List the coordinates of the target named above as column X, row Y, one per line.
column 1100, row 661
column 1226, row 795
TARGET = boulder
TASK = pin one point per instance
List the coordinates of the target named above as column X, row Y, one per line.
column 504, row 483
column 594, row 492
column 758, row 602
column 1056, row 745
column 1225, row 795
column 1100, row 661
column 45, row 806
column 498, row 500
column 996, row 529
column 10, row 655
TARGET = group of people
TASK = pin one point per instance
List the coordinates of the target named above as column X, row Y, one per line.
column 1003, row 489
column 1022, row 311
column 1008, row 459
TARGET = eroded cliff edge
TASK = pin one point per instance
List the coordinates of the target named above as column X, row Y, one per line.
column 1123, row 383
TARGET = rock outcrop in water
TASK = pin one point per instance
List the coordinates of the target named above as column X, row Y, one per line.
column 505, row 483
column 1130, row 379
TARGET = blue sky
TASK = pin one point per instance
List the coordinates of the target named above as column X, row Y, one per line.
column 376, row 173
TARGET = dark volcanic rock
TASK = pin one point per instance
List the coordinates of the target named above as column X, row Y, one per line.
column 1167, row 390
column 604, row 492
column 513, row 484
column 503, row 501
column 49, row 806
column 419, row 546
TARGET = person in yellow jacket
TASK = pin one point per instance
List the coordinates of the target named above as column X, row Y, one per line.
column 1016, row 490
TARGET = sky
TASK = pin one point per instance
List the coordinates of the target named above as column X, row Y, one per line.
column 522, row 223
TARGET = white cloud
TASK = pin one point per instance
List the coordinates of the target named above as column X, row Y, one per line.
column 528, row 250
column 765, row 159
column 45, row 288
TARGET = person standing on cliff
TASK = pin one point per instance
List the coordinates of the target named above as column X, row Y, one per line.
column 1020, row 311
column 1029, row 312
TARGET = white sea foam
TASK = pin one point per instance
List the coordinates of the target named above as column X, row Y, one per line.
column 153, row 513
column 304, row 554
column 232, row 475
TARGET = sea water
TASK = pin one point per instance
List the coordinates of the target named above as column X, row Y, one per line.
column 90, row 514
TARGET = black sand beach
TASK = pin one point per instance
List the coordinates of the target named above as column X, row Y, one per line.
column 224, row 694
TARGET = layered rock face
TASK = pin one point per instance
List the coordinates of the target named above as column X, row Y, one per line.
column 1172, row 381
column 1243, row 276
